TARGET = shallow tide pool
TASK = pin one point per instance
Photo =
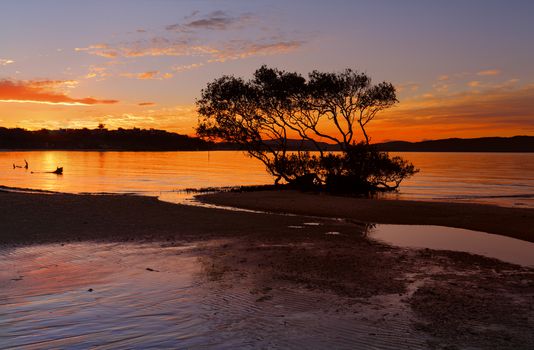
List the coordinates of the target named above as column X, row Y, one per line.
column 448, row 238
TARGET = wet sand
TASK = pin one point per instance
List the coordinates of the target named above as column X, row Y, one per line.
column 273, row 276
column 511, row 222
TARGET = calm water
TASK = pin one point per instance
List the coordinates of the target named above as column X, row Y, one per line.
column 503, row 248
column 504, row 179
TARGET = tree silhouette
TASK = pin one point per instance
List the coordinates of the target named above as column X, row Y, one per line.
column 263, row 113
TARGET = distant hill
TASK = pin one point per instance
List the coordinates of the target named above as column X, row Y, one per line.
column 482, row 144
column 159, row 140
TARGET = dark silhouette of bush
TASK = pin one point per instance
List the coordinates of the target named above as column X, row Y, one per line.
column 261, row 115
column 364, row 169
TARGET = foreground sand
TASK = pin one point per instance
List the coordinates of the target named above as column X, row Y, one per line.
column 512, row 222
column 455, row 300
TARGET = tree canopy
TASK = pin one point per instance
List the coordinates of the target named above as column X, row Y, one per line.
column 264, row 113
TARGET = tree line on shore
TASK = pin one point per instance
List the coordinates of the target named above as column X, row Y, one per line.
column 100, row 138
column 143, row 139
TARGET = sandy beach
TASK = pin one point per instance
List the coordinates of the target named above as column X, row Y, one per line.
column 437, row 299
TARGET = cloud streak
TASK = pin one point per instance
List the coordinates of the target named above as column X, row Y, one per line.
column 150, row 75
column 43, row 92
column 185, row 67
column 200, row 36
column 52, row 84
column 244, row 49
column 149, row 48
column 232, row 50
column 5, row 61
column 216, row 20
column 489, row 72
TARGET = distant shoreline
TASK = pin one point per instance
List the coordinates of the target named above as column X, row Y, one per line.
column 104, row 150
column 227, row 150
column 145, row 140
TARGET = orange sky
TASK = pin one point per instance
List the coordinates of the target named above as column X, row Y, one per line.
column 457, row 73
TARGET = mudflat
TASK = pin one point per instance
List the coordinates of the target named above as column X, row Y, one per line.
column 512, row 222
column 421, row 298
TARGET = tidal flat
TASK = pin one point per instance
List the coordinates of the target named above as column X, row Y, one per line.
column 132, row 272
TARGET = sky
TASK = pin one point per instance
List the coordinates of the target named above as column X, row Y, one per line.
column 461, row 68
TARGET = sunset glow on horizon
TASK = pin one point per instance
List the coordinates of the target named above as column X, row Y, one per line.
column 460, row 69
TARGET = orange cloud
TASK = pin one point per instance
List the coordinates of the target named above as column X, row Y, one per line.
column 148, row 75
column 100, row 73
column 489, row 72
column 220, row 52
column 185, row 67
column 197, row 36
column 43, row 92
column 157, row 46
column 151, row 75
column 100, row 50
column 243, row 49
column 146, row 104
column 52, row 84
column 171, row 49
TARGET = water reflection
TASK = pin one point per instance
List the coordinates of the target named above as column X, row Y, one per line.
column 131, row 172
column 448, row 238
column 93, row 294
column 503, row 179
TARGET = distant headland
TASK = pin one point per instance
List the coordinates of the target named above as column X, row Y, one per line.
column 482, row 144
column 136, row 139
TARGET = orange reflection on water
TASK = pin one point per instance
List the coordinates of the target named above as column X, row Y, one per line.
column 500, row 178
column 53, row 269
column 138, row 172
column 57, row 296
